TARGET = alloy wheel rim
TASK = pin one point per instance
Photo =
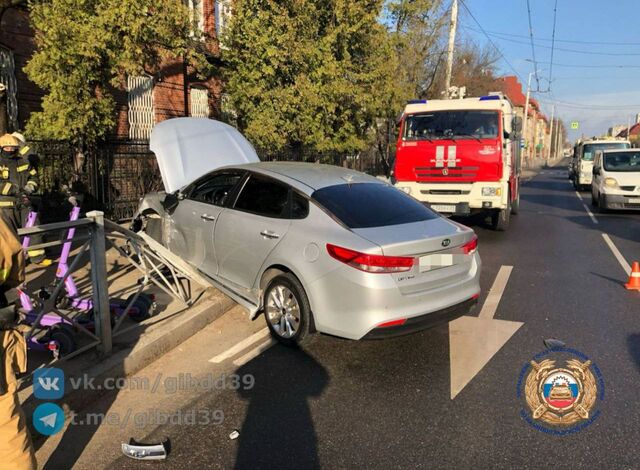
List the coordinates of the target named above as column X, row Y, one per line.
column 283, row 311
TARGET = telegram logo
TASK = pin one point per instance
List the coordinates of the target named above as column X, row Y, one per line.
column 48, row 419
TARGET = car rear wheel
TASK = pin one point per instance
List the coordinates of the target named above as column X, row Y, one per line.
column 515, row 208
column 287, row 310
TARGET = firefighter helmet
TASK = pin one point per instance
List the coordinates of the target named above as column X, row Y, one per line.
column 9, row 140
column 20, row 137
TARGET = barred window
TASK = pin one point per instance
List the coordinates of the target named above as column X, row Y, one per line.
column 8, row 79
column 199, row 102
column 141, row 111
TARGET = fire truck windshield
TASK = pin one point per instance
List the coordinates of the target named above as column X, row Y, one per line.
column 438, row 125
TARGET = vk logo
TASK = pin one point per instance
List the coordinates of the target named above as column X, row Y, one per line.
column 48, row 383
column 48, row 419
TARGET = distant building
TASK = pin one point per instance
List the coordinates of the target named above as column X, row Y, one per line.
column 537, row 126
column 144, row 100
column 615, row 130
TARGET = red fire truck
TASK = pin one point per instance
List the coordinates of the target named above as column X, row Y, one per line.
column 461, row 156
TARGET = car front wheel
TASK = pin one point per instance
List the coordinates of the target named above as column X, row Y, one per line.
column 287, row 310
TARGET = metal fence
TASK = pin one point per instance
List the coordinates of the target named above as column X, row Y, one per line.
column 112, row 176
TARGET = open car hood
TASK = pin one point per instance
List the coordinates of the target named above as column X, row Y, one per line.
column 187, row 148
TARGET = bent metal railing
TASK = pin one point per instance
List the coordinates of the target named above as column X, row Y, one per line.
column 93, row 234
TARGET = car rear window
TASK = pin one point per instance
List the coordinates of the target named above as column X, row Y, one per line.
column 364, row 205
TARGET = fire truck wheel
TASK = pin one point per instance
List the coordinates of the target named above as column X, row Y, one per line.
column 500, row 219
column 515, row 207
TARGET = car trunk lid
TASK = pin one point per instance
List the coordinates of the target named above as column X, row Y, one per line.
column 437, row 246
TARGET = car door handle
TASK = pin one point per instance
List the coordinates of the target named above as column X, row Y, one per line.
column 208, row 217
column 269, row 234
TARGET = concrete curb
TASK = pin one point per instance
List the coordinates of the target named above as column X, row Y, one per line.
column 150, row 346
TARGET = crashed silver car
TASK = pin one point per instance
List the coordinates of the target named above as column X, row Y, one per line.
column 312, row 247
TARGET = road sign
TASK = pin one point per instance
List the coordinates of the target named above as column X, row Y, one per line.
column 575, row 125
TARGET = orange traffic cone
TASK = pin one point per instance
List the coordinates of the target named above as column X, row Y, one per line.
column 634, row 278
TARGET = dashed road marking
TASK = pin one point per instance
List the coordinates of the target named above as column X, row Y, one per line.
column 255, row 352
column 623, row 262
column 586, row 208
column 245, row 343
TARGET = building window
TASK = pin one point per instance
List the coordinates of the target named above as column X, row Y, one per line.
column 197, row 13
column 222, row 13
column 141, row 111
column 8, row 79
column 199, row 102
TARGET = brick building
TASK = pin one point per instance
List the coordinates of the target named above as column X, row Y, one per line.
column 144, row 100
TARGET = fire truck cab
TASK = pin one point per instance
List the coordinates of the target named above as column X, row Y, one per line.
column 461, row 156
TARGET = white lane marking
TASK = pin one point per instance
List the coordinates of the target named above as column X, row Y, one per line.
column 495, row 293
column 593, row 217
column 617, row 254
column 255, row 352
column 245, row 343
column 586, row 208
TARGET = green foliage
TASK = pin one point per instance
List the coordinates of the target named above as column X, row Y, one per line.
column 85, row 49
column 308, row 73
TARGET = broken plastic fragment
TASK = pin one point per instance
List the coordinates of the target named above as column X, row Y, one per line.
column 139, row 451
column 234, row 435
column 552, row 343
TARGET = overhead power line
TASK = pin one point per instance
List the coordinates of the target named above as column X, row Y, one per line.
column 533, row 48
column 592, row 66
column 493, row 44
column 553, row 43
column 566, row 41
column 600, row 107
column 563, row 49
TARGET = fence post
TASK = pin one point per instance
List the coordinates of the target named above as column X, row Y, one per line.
column 102, row 313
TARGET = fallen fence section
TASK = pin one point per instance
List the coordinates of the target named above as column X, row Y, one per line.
column 157, row 265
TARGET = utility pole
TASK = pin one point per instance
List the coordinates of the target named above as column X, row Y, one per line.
column 553, row 112
column 526, row 116
column 452, row 44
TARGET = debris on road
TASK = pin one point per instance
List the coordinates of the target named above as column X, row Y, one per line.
column 139, row 451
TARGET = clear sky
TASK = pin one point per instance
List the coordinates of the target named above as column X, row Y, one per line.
column 593, row 81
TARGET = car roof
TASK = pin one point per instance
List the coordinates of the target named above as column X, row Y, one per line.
column 310, row 176
column 633, row 150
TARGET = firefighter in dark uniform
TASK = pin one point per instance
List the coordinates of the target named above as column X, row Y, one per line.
column 18, row 182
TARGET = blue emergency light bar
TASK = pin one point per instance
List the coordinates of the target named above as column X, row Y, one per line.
column 489, row 98
column 417, row 102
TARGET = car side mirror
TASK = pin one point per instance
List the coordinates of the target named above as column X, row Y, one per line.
column 171, row 201
column 596, row 170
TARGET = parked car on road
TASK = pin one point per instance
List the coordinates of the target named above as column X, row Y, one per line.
column 616, row 179
column 584, row 155
column 314, row 247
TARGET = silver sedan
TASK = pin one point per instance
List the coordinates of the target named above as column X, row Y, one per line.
column 313, row 247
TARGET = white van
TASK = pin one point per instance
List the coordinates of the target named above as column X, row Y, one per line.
column 583, row 160
column 616, row 179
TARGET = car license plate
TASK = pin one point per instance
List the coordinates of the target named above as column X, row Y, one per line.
column 634, row 201
column 435, row 261
column 443, row 207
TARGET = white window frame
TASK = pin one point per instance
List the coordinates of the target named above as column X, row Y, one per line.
column 8, row 79
column 199, row 102
column 222, row 12
column 197, row 13
column 141, row 108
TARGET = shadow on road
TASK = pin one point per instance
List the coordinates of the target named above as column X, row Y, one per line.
column 278, row 430
column 633, row 344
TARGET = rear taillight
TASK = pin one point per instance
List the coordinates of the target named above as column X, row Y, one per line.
column 378, row 264
column 471, row 246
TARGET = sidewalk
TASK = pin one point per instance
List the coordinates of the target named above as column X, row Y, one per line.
column 136, row 345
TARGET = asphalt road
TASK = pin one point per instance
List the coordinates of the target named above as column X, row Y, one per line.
column 387, row 404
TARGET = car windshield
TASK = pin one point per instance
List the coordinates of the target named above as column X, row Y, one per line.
column 451, row 124
column 589, row 150
column 365, row 205
column 622, row 161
